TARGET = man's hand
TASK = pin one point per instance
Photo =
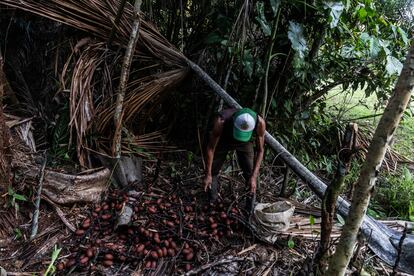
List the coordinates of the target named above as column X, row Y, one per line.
column 207, row 182
column 252, row 183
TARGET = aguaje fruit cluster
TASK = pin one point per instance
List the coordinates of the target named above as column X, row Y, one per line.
column 164, row 229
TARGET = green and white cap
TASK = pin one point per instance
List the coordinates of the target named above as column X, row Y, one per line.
column 244, row 122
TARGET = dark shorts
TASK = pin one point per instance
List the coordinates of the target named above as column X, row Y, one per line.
column 245, row 157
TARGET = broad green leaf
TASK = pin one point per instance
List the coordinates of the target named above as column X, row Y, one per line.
column 394, row 66
column 364, row 37
column 302, row 124
column 347, row 51
column 275, row 6
column 340, row 219
column 394, row 30
column 382, row 21
column 362, row 14
column 213, row 38
column 296, row 37
column 312, row 220
column 291, row 243
column 55, row 253
column 17, row 233
column 20, row 197
column 248, row 63
column 335, row 11
column 370, row 12
column 384, row 44
column 224, row 42
column 403, row 35
column 288, row 106
column 347, row 5
column 262, row 19
column 407, row 174
column 374, row 46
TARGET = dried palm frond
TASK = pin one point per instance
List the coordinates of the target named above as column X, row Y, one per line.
column 391, row 159
column 81, row 97
column 97, row 17
column 141, row 145
column 140, row 92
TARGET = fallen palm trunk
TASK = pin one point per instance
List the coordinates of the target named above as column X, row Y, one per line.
column 67, row 189
column 382, row 240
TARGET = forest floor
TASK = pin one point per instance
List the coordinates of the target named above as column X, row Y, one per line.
column 173, row 230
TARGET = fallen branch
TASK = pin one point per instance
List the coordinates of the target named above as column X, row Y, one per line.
column 35, row 222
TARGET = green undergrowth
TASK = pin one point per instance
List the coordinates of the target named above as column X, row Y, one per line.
column 394, row 193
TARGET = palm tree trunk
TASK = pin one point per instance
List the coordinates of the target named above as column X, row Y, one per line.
column 370, row 170
column 119, row 112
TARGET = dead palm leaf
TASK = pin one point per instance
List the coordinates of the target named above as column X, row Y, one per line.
column 97, row 17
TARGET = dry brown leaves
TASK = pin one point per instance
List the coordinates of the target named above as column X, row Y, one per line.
column 91, row 93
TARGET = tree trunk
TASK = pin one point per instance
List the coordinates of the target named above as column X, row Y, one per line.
column 369, row 173
column 5, row 154
column 119, row 112
column 333, row 191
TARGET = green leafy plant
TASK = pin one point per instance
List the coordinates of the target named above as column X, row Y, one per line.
column 311, row 220
column 60, row 146
column 396, row 195
column 291, row 243
column 15, row 198
column 52, row 268
column 340, row 219
column 17, row 233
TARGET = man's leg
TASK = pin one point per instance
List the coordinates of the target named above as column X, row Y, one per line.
column 245, row 156
column 219, row 158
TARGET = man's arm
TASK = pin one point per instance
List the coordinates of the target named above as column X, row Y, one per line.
column 260, row 133
column 211, row 147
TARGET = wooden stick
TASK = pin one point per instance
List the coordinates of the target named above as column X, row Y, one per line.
column 35, row 222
